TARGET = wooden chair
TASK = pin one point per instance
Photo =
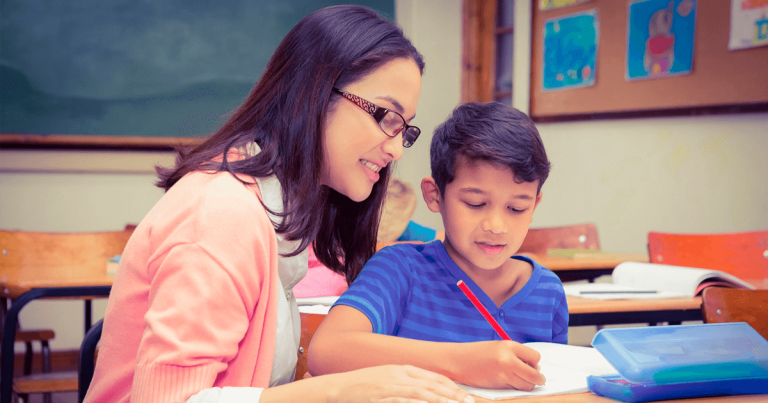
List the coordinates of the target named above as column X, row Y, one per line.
column 579, row 236
column 309, row 323
column 25, row 251
column 743, row 254
column 721, row 305
column 28, row 337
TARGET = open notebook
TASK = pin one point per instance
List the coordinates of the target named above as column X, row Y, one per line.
column 565, row 367
column 634, row 280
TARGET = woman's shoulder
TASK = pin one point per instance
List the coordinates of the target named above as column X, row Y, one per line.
column 223, row 187
column 216, row 198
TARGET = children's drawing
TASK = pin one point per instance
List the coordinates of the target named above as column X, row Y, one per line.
column 550, row 4
column 660, row 38
column 749, row 24
column 570, row 51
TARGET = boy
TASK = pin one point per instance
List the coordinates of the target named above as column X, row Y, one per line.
column 488, row 165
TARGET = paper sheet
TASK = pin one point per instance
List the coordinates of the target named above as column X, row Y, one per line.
column 660, row 39
column 614, row 291
column 317, row 300
column 749, row 24
column 319, row 305
column 565, row 367
column 570, row 51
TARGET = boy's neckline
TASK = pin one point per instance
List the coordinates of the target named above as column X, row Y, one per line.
column 519, row 272
column 521, row 288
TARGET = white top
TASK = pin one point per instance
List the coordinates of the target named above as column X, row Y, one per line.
column 290, row 271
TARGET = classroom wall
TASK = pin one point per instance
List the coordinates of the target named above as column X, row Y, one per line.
column 71, row 191
column 693, row 174
column 685, row 174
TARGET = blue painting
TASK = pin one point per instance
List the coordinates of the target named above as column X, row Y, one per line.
column 660, row 38
column 570, row 51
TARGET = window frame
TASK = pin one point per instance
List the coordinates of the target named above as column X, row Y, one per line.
column 479, row 49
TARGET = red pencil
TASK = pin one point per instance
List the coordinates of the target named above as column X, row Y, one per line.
column 483, row 311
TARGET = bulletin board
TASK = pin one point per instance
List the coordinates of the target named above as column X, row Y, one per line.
column 135, row 74
column 720, row 81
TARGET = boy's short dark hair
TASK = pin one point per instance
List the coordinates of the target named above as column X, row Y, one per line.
column 490, row 132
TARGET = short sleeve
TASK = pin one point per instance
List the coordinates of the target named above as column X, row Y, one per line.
column 381, row 290
column 560, row 320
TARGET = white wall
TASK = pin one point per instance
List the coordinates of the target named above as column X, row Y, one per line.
column 434, row 27
column 70, row 191
column 700, row 174
column 628, row 176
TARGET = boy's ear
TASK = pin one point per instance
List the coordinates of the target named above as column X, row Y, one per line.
column 431, row 194
column 538, row 200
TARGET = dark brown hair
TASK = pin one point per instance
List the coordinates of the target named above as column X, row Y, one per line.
column 490, row 132
column 284, row 114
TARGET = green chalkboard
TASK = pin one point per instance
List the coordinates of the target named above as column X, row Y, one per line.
column 147, row 68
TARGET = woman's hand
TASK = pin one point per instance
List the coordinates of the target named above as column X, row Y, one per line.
column 500, row 364
column 382, row 384
column 395, row 383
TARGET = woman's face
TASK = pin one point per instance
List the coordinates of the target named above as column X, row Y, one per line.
column 354, row 146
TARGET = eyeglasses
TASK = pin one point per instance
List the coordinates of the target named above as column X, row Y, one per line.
column 391, row 122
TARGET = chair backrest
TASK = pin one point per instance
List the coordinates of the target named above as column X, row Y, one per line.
column 309, row 323
column 86, row 359
column 743, row 254
column 578, row 236
column 721, row 305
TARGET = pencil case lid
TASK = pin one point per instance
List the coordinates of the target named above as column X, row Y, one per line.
column 685, row 353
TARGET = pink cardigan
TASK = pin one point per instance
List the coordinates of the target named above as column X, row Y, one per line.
column 194, row 303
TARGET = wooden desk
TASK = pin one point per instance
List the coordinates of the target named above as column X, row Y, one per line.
column 587, row 268
column 14, row 283
column 592, row 398
column 592, row 312
column 24, row 286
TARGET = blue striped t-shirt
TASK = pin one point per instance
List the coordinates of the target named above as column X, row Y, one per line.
column 409, row 290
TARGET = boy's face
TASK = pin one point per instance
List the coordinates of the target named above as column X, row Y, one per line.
column 486, row 214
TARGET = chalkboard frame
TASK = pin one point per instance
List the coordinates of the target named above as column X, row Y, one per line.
column 93, row 142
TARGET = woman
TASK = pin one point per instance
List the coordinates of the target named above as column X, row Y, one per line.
column 202, row 308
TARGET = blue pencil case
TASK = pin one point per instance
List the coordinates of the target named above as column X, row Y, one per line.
column 667, row 362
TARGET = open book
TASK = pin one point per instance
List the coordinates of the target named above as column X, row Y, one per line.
column 634, row 280
column 565, row 367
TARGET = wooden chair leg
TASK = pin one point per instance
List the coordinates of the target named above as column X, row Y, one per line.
column 46, row 353
column 28, row 358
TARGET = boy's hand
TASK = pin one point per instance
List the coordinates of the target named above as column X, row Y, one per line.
column 500, row 364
